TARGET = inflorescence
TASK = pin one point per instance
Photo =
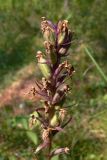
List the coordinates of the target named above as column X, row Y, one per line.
column 52, row 88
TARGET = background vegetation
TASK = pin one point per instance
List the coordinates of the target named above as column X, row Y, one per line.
column 20, row 38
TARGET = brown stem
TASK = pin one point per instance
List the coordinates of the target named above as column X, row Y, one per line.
column 49, row 149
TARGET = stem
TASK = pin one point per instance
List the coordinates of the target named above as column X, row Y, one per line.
column 49, row 149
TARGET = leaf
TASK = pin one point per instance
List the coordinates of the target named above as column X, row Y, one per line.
column 24, row 123
column 55, row 158
column 1, row 158
column 32, row 136
column 12, row 158
column 21, row 121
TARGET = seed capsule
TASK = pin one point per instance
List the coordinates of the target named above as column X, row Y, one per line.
column 54, row 120
column 61, row 37
column 62, row 31
column 42, row 63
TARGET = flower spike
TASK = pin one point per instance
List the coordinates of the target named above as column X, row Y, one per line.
column 52, row 88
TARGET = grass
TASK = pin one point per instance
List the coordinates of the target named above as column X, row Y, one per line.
column 96, row 64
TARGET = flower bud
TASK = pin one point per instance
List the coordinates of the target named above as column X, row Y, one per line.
column 42, row 63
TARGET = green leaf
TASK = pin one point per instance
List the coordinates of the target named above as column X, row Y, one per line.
column 20, row 120
column 12, row 158
column 24, row 123
column 32, row 136
column 55, row 158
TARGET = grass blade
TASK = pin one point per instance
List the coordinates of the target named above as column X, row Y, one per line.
column 96, row 64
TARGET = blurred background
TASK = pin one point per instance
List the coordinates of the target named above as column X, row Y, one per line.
column 20, row 38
